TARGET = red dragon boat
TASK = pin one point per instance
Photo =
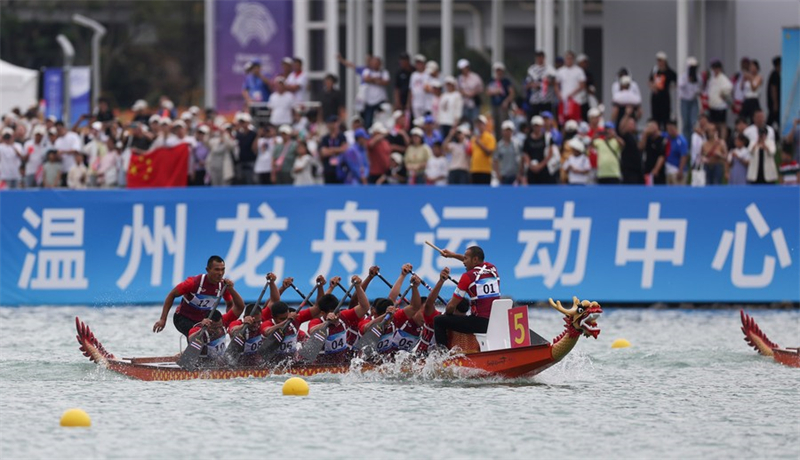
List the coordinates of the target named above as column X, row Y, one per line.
column 764, row 346
column 508, row 349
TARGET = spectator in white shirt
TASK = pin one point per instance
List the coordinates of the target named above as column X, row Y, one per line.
column 265, row 145
column 571, row 86
column 577, row 166
column 280, row 104
column 34, row 151
column 297, row 81
column 471, row 86
column 68, row 145
column 689, row 87
column 10, row 159
column 625, row 93
column 375, row 80
column 436, row 170
column 719, row 89
column 417, row 83
column 536, row 82
column 78, row 173
column 451, row 105
column 303, row 166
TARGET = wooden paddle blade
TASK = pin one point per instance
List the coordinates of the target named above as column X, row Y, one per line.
column 313, row 345
column 368, row 343
column 271, row 344
column 235, row 347
column 190, row 358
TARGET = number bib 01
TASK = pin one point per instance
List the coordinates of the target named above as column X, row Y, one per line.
column 252, row 344
column 487, row 287
column 336, row 343
column 402, row 340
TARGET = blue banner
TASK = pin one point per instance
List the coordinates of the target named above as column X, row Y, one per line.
column 790, row 78
column 80, row 92
column 613, row 244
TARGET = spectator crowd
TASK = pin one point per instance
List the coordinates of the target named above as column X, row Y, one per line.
column 421, row 127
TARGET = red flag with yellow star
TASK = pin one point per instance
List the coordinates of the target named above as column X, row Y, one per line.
column 163, row 167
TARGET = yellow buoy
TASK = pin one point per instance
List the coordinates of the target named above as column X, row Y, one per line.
column 76, row 417
column 620, row 343
column 295, row 386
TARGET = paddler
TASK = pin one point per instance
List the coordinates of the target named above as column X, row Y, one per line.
column 252, row 336
column 199, row 295
column 481, row 284
column 342, row 325
column 429, row 312
column 402, row 331
column 213, row 338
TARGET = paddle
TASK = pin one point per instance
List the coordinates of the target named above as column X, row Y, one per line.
column 367, row 342
column 273, row 341
column 191, row 355
column 390, row 287
column 305, row 299
column 316, row 342
column 428, row 286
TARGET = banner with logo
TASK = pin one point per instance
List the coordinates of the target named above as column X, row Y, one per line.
column 80, row 89
column 611, row 244
column 790, row 79
column 247, row 30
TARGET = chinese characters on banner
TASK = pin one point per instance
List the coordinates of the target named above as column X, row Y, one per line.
column 649, row 246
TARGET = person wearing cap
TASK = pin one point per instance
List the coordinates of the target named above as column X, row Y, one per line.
column 591, row 95
column 297, row 81
column 417, row 155
column 283, row 156
column 540, row 86
column 662, row 79
column 432, row 134
column 333, row 144
column 140, row 111
column 51, row 169
column 396, row 174
column 375, row 79
column 433, row 88
column 631, row 157
column 378, row 152
column 455, row 145
column 507, row 159
column 501, row 93
column 68, row 144
column 625, row 94
column 352, row 168
column 34, row 151
column 718, row 89
column 577, row 165
column 738, row 82
column 751, row 90
column 199, row 157
column 219, row 164
column 280, row 104
column 689, row 88
column 436, row 170
column 654, row 146
column 331, row 100
column 11, row 158
column 256, row 86
column 246, row 138
column 483, row 146
column 571, row 88
column 755, row 132
column 451, row 106
column 179, row 135
column 417, row 83
column 608, row 147
column 286, row 68
column 551, row 128
column 402, row 82
column 538, row 151
column 470, row 85
column 677, row 161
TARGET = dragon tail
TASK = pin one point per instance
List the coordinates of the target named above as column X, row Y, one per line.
column 754, row 337
column 89, row 345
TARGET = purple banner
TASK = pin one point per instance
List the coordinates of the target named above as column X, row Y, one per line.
column 247, row 30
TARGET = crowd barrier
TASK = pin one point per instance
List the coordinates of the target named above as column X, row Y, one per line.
column 609, row 243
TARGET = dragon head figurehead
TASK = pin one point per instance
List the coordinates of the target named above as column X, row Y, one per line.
column 581, row 318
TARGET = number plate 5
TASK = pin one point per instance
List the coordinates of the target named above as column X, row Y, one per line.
column 518, row 329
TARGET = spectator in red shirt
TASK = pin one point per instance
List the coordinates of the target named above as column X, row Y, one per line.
column 199, row 297
column 378, row 152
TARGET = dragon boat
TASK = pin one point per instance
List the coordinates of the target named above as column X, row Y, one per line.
column 508, row 349
column 764, row 346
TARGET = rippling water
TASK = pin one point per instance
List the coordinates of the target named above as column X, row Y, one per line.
column 688, row 387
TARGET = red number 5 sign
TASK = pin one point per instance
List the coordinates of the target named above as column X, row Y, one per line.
column 518, row 331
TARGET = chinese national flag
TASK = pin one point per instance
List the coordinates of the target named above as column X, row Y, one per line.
column 164, row 167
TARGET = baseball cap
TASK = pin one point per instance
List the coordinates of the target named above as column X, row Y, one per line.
column 482, row 119
column 546, row 114
column 431, row 67
column 52, row 118
column 610, row 125
column 582, row 57
column 139, row 105
column 498, row 66
column 691, row 61
column 53, row 131
column 576, row 144
column 154, row 119
column 593, row 112
column 625, row 80
column 377, row 127
column 360, row 133
column 419, row 57
column 287, row 60
column 462, row 63
column 508, row 124
column 571, row 125
column 661, row 55
column 417, row 132
column 204, row 129
column 428, row 119
column 97, row 125
column 464, row 129
column 537, row 120
column 285, row 129
column 397, row 157
column 450, row 80
column 8, row 132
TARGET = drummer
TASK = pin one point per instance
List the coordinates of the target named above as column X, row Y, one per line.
column 199, row 294
column 481, row 284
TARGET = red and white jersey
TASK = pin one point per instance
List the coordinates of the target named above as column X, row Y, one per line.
column 427, row 338
column 199, row 296
column 482, row 286
column 342, row 334
column 406, row 332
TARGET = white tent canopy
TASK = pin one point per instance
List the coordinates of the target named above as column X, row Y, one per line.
column 19, row 87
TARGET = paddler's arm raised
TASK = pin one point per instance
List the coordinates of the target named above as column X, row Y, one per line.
column 372, row 273
column 286, row 284
column 416, row 301
column 332, row 284
column 274, row 292
column 404, row 271
column 430, row 302
column 448, row 254
column 363, row 302
column 159, row 325
column 235, row 302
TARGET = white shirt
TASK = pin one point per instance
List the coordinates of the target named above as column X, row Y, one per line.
column 302, row 170
column 374, row 94
column 437, row 168
column 416, row 84
column 66, row 143
column 578, row 162
column 629, row 96
column 264, row 159
column 687, row 90
column 301, row 80
column 752, row 135
column 718, row 88
column 451, row 106
column 36, row 154
column 9, row 161
column 697, row 147
column 281, row 108
column 570, row 78
column 76, row 177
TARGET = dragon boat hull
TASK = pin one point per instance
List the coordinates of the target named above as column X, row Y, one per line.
column 510, row 363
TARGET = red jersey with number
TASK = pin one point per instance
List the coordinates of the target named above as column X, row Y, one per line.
column 228, row 320
column 482, row 286
column 347, row 327
column 199, row 296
